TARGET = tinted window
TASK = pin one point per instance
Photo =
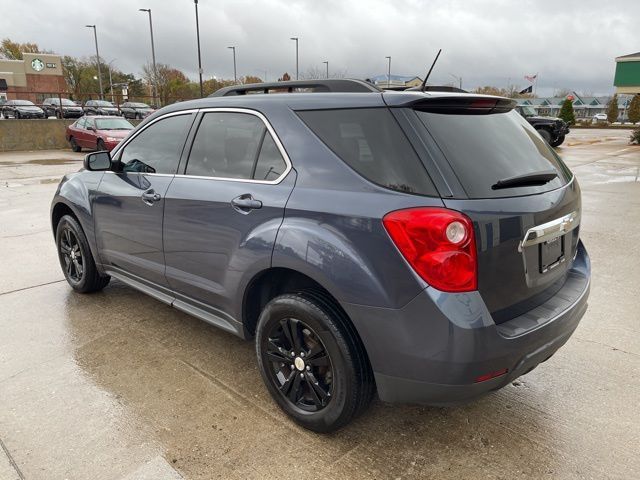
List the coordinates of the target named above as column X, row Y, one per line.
column 270, row 162
column 157, row 148
column 483, row 149
column 371, row 142
column 226, row 145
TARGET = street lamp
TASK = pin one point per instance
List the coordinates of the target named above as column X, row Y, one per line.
column 153, row 56
column 199, row 56
column 235, row 74
column 110, row 79
column 95, row 36
column 459, row 79
column 326, row 62
column 296, row 40
column 389, row 72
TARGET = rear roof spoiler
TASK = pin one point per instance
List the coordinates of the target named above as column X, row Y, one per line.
column 345, row 85
column 464, row 104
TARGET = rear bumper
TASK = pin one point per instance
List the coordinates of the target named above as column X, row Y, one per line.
column 432, row 350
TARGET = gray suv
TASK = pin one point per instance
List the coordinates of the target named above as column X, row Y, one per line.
column 423, row 246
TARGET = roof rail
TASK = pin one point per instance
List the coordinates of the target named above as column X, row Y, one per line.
column 334, row 85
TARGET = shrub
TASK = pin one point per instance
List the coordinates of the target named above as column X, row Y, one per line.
column 566, row 112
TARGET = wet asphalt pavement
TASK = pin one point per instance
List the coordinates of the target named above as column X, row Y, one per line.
column 116, row 385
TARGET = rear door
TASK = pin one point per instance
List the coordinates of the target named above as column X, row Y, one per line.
column 222, row 214
column 130, row 202
column 508, row 180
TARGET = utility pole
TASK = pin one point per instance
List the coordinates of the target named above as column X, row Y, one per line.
column 296, row 39
column 389, row 72
column 235, row 74
column 326, row 62
column 95, row 36
column 153, row 57
column 199, row 56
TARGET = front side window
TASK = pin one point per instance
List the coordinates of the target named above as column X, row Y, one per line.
column 234, row 145
column 81, row 123
column 157, row 148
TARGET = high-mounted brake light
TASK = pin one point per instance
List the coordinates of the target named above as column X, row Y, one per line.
column 439, row 244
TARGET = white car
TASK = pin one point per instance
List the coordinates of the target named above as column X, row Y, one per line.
column 600, row 117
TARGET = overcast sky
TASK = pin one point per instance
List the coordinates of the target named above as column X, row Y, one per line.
column 569, row 43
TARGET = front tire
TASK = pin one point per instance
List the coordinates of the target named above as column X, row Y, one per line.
column 546, row 134
column 76, row 259
column 100, row 146
column 558, row 141
column 74, row 145
column 312, row 362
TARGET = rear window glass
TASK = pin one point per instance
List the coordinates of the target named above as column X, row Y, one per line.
column 483, row 149
column 371, row 142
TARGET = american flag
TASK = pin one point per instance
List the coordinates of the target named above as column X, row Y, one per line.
column 531, row 78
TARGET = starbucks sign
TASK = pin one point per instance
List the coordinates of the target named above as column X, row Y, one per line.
column 37, row 64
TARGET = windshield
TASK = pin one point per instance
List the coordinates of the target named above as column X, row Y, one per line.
column 103, row 103
column 139, row 105
column 22, row 103
column 65, row 101
column 483, row 149
column 527, row 111
column 113, row 124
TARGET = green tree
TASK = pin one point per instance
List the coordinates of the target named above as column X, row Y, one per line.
column 634, row 109
column 612, row 109
column 566, row 112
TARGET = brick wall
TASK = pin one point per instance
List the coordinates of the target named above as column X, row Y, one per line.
column 47, row 84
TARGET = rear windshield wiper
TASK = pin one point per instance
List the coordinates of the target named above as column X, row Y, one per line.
column 528, row 179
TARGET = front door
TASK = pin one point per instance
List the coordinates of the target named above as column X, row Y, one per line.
column 129, row 207
column 222, row 215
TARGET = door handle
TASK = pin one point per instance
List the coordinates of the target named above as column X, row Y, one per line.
column 245, row 203
column 150, row 197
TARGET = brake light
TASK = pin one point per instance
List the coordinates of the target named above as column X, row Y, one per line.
column 439, row 244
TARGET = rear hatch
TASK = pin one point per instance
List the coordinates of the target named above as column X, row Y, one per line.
column 523, row 200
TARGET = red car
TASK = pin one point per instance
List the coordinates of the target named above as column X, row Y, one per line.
column 97, row 132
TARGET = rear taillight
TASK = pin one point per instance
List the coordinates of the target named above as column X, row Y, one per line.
column 439, row 244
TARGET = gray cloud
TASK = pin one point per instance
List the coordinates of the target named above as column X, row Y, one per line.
column 570, row 43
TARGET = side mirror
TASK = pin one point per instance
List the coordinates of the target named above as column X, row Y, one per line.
column 91, row 128
column 97, row 161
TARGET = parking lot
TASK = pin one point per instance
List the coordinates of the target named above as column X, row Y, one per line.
column 117, row 385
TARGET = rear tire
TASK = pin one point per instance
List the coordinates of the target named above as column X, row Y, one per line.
column 74, row 145
column 76, row 259
column 327, row 381
column 558, row 141
column 546, row 134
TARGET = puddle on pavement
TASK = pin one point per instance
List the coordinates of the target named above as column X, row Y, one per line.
column 55, row 161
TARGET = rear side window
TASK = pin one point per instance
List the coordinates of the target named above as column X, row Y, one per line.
column 371, row 142
column 483, row 149
column 235, row 145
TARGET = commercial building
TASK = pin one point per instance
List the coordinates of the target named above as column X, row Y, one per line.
column 583, row 107
column 627, row 78
column 36, row 72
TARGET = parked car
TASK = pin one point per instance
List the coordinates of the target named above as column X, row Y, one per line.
column 135, row 110
column 600, row 117
column 97, row 132
column 552, row 129
column 61, row 108
column 100, row 107
column 422, row 245
column 21, row 109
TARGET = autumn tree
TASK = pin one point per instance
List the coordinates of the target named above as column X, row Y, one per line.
column 634, row 109
column 566, row 112
column 14, row 50
column 612, row 109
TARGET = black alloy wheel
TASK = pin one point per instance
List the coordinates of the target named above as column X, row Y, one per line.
column 71, row 255
column 76, row 259
column 300, row 364
column 312, row 361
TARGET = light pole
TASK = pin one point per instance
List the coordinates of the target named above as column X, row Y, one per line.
column 296, row 39
column 389, row 72
column 235, row 74
column 326, row 62
column 459, row 80
column 199, row 56
column 153, row 56
column 110, row 80
column 95, row 36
